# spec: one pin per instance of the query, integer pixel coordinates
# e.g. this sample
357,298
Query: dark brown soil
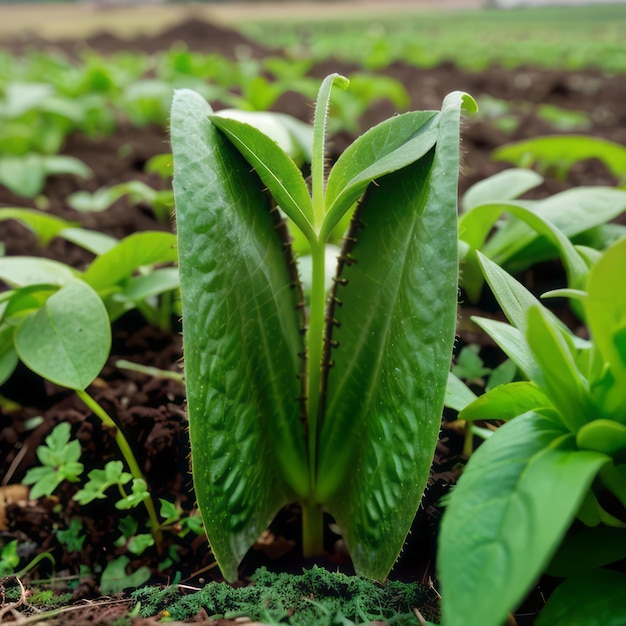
151,411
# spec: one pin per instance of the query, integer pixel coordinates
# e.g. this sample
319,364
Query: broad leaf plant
334,402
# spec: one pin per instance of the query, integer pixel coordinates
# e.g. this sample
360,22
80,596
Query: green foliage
161,202
596,597
116,577
314,597
25,174
100,480
558,456
59,459
243,320
533,230
565,37
558,153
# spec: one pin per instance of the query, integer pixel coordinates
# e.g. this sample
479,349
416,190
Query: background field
366,32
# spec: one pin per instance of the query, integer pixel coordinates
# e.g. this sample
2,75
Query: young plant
337,406
527,234
560,456
558,153
57,321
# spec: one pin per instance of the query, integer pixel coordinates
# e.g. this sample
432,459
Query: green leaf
21,271
124,259
46,227
595,598
561,380
159,281
561,152
511,507
274,167
100,480
103,198
115,579
475,225
385,391
602,435
458,394
514,299
587,548
241,338
26,174
513,343
572,211
605,307
139,493
67,341
91,240
292,135
506,402
8,355
386,148
506,185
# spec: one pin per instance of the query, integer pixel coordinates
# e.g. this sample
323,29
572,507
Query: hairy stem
129,457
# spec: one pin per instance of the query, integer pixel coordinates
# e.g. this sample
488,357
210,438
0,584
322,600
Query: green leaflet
509,511
241,338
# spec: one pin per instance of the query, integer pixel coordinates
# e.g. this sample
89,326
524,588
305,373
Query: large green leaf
384,394
67,341
509,511
241,336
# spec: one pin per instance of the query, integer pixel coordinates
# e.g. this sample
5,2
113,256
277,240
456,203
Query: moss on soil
316,596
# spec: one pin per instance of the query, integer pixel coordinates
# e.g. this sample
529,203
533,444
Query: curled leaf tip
468,104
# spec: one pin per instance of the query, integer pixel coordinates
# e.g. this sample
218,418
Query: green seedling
534,230
160,201
100,480
115,577
10,560
57,321
337,406
25,174
560,456
59,459
135,543
71,537
558,153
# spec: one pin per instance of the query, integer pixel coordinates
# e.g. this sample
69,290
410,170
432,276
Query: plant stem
315,347
129,457
312,530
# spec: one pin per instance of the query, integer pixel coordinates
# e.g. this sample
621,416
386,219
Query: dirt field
62,21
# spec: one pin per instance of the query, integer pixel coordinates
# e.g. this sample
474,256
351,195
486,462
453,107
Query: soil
151,411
